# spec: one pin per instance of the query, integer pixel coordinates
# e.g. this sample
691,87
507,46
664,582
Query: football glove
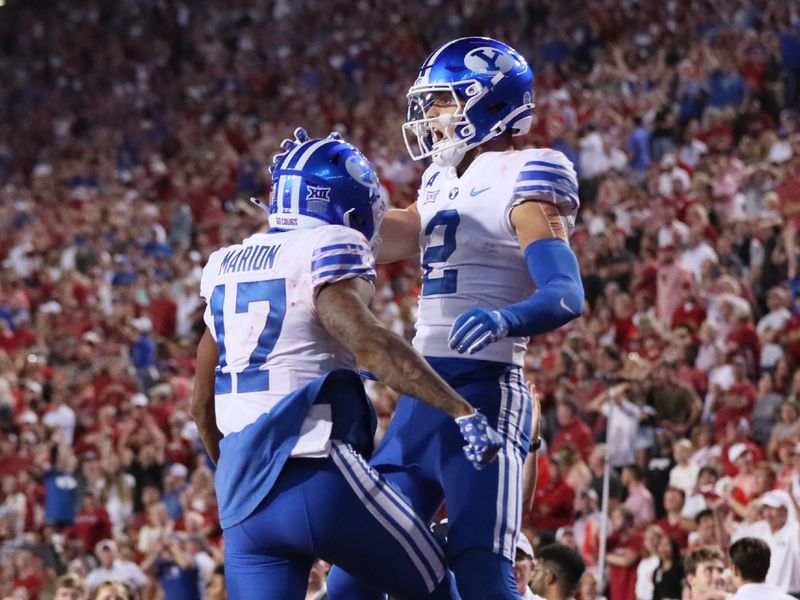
475,329
287,146
483,442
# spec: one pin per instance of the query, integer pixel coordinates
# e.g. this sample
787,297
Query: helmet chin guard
450,155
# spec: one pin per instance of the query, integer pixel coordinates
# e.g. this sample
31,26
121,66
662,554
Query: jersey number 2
252,378
448,282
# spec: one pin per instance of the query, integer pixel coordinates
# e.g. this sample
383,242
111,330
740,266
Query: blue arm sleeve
559,298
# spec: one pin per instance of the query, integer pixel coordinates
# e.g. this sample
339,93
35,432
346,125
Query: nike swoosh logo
566,308
473,192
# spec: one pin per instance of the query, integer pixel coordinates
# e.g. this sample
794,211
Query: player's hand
477,328
483,442
536,405
287,146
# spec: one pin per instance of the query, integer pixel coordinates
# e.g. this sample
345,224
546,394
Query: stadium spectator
625,546
781,531
639,501
553,503
216,584
157,528
587,525
705,532
596,466
198,549
70,587
684,474
704,568
750,561
523,567
668,576
114,590
649,563
557,573
674,524
113,568
787,427
572,430
60,487
92,522
170,560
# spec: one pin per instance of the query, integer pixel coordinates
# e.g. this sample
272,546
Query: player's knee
483,575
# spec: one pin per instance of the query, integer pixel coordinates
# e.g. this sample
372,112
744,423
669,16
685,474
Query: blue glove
476,329
483,442
287,146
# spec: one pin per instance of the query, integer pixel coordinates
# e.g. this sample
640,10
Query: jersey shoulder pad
546,174
340,253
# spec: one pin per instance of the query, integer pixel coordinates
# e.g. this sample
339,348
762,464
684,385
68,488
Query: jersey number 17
253,378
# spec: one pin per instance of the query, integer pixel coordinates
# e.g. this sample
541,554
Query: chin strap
449,157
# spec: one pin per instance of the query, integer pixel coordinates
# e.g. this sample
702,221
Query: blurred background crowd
132,132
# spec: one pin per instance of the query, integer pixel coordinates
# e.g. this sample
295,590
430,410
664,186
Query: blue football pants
421,454
340,510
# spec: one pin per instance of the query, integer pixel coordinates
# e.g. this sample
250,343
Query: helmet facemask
458,130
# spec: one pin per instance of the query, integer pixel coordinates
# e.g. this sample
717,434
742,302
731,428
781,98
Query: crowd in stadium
132,134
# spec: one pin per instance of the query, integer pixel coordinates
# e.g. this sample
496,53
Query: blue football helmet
326,182
492,87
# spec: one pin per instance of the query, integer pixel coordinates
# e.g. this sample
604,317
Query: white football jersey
470,253
271,342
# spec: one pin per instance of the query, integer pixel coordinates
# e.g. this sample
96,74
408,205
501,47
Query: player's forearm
530,473
202,407
210,436
399,235
560,295
343,310
205,419
400,367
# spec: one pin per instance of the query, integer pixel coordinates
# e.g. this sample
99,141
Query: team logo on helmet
360,170
317,198
488,60
318,193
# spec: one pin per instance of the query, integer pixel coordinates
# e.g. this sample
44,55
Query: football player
492,227
280,407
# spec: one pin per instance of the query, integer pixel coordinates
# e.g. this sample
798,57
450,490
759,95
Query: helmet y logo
361,171
488,60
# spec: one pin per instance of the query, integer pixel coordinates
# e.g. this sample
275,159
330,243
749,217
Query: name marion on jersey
249,258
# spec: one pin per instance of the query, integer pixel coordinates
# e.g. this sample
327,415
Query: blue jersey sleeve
341,253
